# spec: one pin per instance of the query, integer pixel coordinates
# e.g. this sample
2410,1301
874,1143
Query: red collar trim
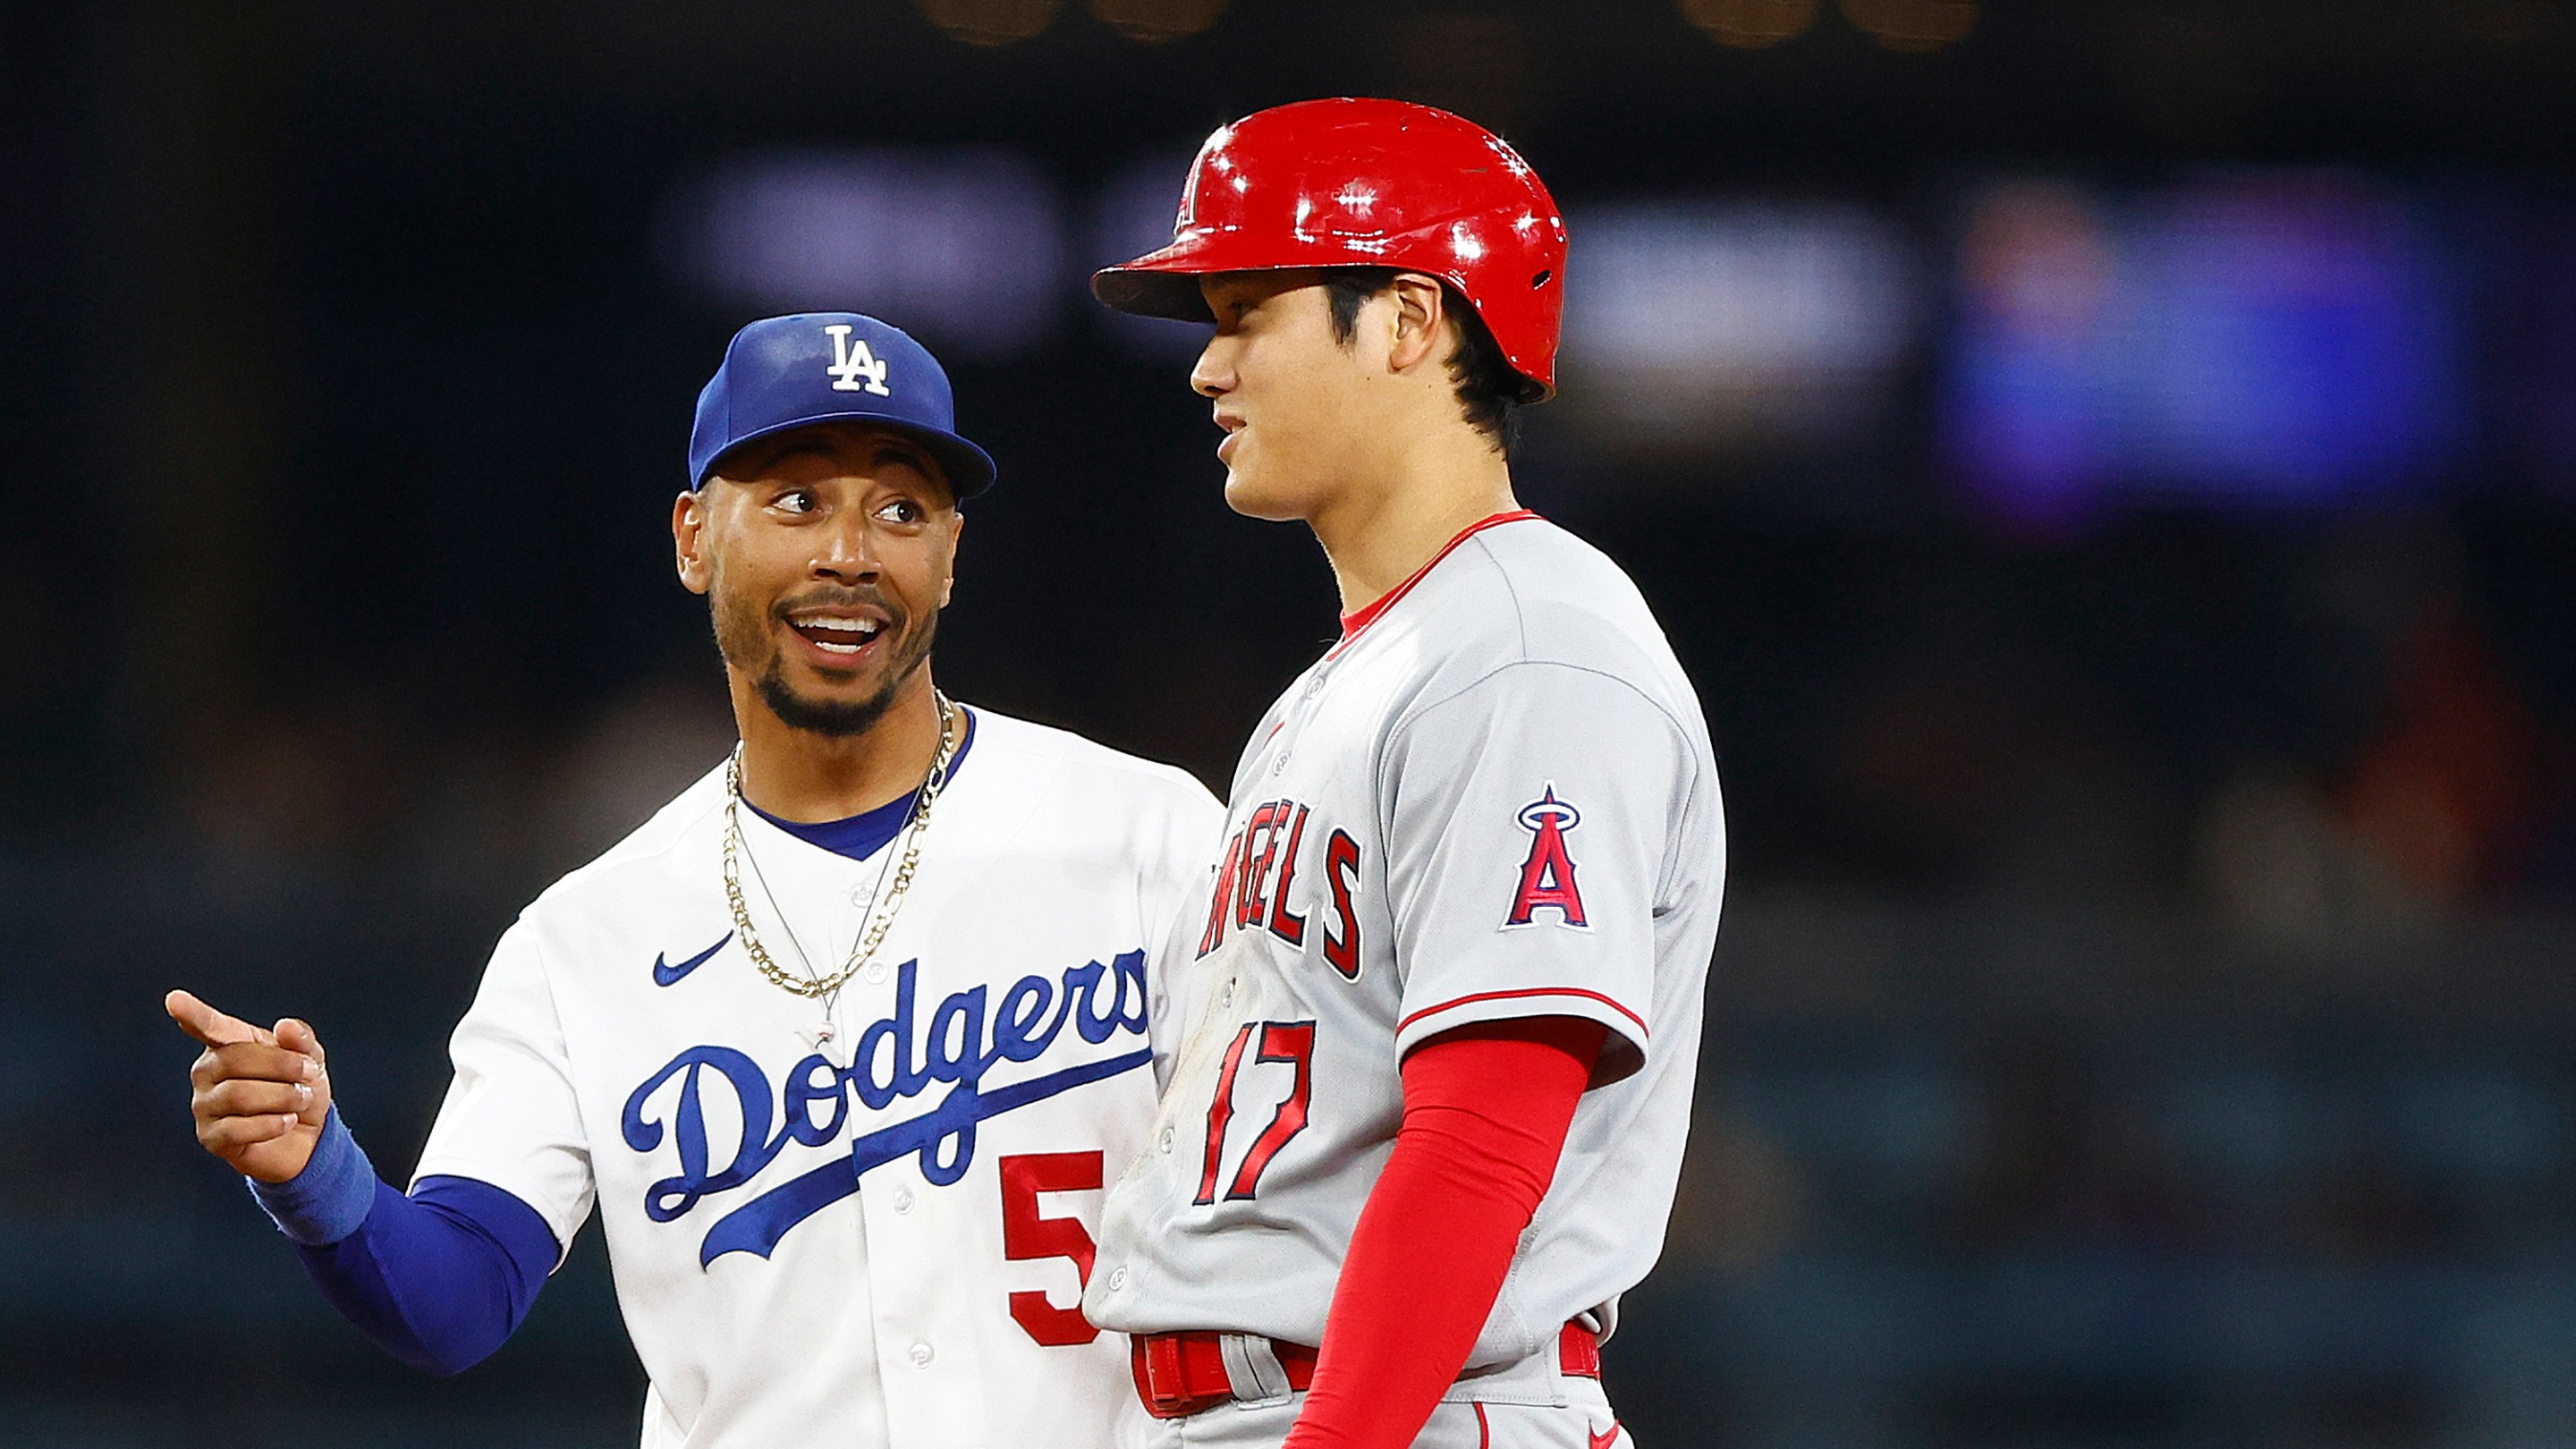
1360,618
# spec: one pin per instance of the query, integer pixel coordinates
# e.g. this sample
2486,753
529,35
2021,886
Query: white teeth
861,631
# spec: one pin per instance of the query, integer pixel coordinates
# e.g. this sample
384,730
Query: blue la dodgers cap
819,367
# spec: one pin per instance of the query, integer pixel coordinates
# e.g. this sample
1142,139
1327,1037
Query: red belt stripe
1180,1374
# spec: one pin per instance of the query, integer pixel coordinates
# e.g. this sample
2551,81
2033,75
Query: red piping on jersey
1510,995
1367,614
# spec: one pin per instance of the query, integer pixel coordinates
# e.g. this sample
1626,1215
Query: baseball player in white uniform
841,1044
1433,1047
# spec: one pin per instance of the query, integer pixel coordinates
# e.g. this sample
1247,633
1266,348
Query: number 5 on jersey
1028,1234
1290,1043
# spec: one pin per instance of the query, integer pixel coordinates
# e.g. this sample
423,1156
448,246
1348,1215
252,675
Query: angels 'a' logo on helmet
1547,877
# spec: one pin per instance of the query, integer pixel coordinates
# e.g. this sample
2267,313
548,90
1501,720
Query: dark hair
1490,392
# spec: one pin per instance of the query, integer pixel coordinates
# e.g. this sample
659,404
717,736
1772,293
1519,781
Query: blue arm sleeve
438,1279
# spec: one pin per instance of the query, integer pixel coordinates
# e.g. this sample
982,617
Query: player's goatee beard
839,719
742,636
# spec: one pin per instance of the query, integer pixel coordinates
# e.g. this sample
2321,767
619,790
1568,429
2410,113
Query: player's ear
1419,308
689,540
956,531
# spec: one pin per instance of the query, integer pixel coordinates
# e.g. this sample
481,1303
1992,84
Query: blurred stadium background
2110,466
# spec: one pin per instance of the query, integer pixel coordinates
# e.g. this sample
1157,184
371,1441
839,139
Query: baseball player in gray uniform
1429,1061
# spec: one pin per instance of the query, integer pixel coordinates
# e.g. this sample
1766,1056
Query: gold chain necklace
880,913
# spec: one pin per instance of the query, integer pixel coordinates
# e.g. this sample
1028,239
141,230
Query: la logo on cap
854,367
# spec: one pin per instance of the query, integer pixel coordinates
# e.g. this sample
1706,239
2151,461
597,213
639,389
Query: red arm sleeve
1486,1110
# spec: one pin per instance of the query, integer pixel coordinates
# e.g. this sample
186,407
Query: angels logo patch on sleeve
1547,876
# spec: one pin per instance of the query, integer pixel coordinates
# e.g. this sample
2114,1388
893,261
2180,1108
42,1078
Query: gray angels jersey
1494,798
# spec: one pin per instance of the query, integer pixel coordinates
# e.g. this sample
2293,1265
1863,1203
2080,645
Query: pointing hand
261,1095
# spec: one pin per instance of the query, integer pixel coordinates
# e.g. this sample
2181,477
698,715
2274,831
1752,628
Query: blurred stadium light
1750,24
1913,25
2290,340
989,22
1700,325
1156,21
1132,215
963,247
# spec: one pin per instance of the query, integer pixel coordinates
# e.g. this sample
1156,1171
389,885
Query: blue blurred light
2280,341
1132,215
964,248
1701,322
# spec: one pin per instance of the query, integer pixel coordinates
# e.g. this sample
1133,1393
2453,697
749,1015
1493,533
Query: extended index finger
208,1025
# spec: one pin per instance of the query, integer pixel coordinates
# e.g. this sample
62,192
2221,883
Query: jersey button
876,971
1117,1279
1165,1142
919,1353
903,1199
858,895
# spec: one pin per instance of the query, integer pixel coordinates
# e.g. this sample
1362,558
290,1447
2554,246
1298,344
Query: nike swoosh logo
664,975
1602,1441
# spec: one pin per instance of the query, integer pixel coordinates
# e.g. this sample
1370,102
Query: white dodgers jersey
866,1225
1494,798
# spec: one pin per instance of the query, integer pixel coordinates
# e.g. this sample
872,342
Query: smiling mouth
845,637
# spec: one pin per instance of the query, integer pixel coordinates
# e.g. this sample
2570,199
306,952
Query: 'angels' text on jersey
1248,896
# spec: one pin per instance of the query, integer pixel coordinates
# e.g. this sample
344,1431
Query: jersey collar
863,835
1359,619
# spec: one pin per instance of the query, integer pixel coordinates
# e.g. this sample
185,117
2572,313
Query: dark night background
2110,468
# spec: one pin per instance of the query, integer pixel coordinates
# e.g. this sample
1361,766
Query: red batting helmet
1366,183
